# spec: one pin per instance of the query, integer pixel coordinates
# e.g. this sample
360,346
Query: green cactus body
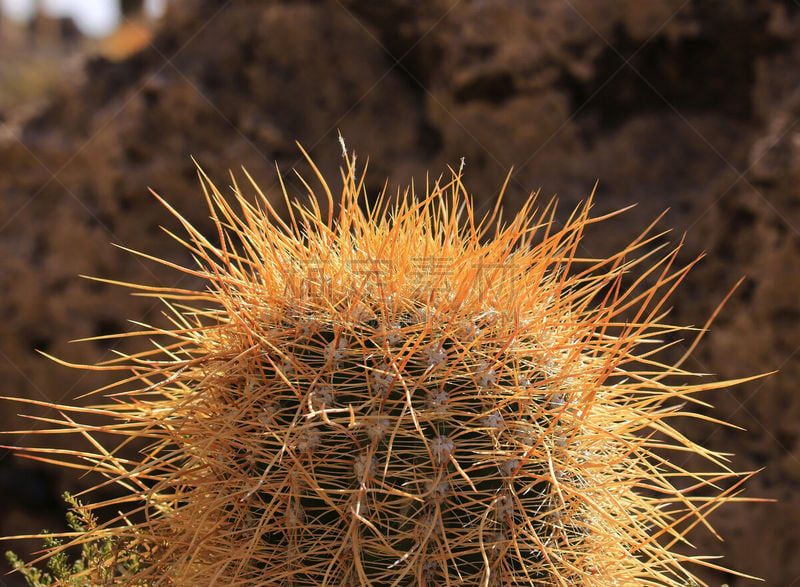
398,394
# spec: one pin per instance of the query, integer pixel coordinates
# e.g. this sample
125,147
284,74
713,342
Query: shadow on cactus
397,392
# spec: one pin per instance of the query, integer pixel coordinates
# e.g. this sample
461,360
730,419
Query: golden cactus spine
397,392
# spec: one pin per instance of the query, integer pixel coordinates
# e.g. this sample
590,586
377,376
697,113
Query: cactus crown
395,392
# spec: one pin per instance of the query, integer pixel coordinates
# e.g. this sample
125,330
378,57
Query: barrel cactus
398,391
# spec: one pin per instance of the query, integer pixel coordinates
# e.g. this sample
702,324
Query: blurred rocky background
690,106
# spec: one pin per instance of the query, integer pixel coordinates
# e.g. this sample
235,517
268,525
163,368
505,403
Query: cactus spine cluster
397,392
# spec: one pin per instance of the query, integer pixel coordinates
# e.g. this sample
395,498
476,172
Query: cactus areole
398,391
